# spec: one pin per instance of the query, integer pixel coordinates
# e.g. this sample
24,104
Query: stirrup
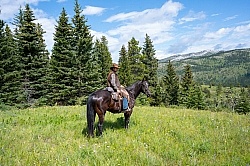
127,110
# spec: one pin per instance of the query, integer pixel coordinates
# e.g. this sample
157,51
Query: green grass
157,136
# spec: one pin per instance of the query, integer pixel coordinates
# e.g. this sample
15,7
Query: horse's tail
90,116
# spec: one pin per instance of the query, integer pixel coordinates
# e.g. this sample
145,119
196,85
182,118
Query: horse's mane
132,87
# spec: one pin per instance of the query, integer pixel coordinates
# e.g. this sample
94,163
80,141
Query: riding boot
127,110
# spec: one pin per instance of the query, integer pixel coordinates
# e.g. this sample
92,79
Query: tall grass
157,136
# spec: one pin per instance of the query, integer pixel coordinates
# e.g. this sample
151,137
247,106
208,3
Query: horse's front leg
127,118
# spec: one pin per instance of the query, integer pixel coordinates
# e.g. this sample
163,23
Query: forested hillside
227,68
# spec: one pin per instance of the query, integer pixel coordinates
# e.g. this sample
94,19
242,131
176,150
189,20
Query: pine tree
32,57
101,50
42,64
61,64
137,67
150,61
191,95
124,71
94,76
171,85
9,70
18,22
151,64
2,69
82,45
243,103
158,96
187,79
195,98
187,85
106,59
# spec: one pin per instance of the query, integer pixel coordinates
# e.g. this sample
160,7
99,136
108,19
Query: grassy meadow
157,136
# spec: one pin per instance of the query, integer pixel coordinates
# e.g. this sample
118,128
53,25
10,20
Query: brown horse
101,101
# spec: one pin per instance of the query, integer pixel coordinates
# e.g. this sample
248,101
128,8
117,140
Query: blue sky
174,26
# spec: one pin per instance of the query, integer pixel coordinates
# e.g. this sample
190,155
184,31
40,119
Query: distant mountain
179,57
224,67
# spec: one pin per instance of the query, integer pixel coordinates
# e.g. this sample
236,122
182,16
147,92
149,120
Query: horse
101,101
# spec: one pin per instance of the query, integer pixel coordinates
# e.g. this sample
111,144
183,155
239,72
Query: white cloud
218,34
222,39
157,23
240,36
192,16
168,11
61,1
122,16
92,10
160,54
230,18
9,8
215,14
169,35
243,29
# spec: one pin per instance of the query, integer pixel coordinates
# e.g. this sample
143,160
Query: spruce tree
61,64
243,104
151,64
82,45
191,95
32,58
18,22
124,71
171,85
94,76
137,67
9,70
150,61
42,64
195,98
158,97
2,70
106,59
101,50
187,85
187,79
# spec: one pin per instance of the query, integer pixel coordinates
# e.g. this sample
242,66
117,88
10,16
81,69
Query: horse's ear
145,78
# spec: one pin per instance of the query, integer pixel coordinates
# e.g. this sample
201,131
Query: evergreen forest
78,64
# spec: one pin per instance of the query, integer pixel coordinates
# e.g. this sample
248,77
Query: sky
174,26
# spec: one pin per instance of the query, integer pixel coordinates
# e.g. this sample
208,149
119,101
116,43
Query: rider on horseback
113,82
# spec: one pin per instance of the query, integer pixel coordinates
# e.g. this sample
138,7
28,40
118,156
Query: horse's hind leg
91,126
100,123
90,120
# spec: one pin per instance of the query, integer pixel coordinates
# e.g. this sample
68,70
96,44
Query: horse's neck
134,90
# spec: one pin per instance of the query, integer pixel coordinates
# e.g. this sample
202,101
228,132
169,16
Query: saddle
120,103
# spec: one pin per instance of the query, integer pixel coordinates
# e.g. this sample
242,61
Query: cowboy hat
114,65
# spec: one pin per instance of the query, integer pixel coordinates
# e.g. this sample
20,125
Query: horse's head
145,88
